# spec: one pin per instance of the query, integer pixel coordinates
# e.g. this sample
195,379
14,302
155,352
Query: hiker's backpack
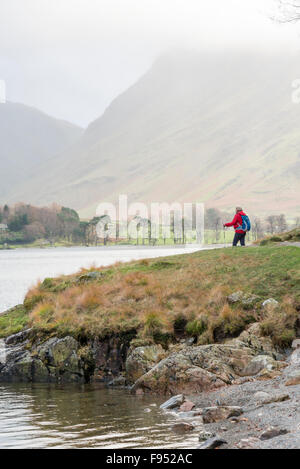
246,226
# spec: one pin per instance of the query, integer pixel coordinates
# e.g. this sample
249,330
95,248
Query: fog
71,58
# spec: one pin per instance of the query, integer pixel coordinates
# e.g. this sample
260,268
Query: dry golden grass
153,296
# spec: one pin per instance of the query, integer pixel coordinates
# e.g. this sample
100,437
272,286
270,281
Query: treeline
215,219
24,223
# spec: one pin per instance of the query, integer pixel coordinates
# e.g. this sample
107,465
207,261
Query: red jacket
237,222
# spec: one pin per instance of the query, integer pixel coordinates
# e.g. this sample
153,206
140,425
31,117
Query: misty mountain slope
196,127
28,137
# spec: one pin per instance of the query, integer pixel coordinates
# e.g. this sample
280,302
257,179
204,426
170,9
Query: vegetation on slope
159,300
292,236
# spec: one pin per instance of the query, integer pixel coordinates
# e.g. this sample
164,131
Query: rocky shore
254,414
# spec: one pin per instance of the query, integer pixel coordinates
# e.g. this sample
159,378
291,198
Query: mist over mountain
28,138
214,128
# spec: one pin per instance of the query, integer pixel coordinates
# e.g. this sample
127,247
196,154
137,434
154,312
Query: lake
72,416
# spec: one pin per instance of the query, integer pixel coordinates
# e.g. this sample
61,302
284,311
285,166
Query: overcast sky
70,58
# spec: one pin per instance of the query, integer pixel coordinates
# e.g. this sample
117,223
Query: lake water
22,268
49,416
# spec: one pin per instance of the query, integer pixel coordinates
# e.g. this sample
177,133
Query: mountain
197,127
29,137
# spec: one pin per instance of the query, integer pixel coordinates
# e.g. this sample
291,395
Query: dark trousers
239,237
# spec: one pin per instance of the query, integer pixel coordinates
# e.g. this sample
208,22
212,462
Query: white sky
70,58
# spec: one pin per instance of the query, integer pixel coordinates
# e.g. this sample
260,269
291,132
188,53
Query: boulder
212,443
216,414
203,436
182,427
196,369
61,359
187,406
174,402
296,344
253,338
141,359
273,432
260,363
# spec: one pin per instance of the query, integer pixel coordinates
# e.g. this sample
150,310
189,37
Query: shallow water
87,416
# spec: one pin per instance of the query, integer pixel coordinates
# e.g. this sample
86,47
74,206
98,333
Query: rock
261,396
273,432
296,343
203,436
18,338
260,363
119,381
141,359
60,357
270,304
196,369
247,300
276,398
216,414
182,427
293,378
247,443
92,275
212,443
295,358
253,338
235,297
265,375
187,406
175,401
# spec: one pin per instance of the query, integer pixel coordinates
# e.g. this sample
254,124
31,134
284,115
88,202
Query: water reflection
49,416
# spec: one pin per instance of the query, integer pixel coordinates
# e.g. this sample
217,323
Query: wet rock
216,414
182,427
175,401
212,443
187,406
273,432
141,359
203,436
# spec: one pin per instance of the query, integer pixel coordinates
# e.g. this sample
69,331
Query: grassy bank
292,236
159,299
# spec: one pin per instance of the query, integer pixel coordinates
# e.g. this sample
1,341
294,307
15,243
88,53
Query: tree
282,223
